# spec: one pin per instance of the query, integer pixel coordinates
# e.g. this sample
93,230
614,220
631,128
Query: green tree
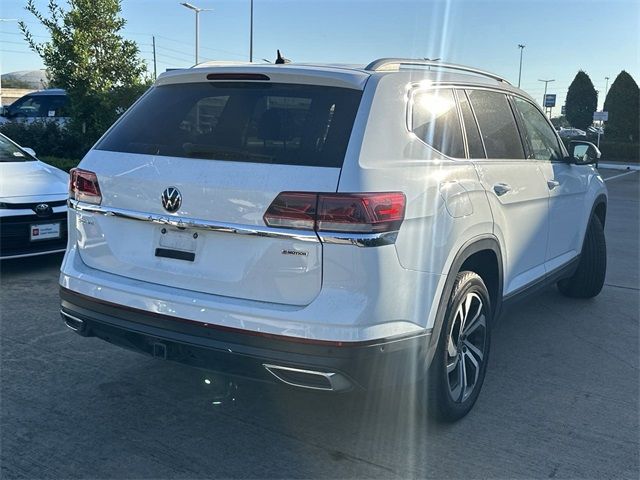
623,105
560,121
87,56
582,101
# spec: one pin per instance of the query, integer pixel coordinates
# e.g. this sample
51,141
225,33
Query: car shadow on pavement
26,265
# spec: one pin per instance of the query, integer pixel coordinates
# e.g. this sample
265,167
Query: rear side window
542,140
435,121
476,150
240,121
497,124
57,106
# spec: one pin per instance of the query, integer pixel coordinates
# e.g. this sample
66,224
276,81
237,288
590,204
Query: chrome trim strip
328,376
185,222
360,239
357,239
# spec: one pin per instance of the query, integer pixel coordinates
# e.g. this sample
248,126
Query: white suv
329,227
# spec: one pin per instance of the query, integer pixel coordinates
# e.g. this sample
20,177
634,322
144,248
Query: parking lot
560,399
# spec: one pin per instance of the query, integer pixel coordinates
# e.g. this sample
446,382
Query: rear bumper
254,355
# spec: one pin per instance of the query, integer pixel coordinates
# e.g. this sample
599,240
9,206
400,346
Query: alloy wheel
466,347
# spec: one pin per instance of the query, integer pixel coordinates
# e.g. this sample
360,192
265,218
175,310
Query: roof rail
391,63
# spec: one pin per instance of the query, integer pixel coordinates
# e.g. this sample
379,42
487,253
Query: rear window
240,121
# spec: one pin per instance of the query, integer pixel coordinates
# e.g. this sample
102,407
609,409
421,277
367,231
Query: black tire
443,402
588,279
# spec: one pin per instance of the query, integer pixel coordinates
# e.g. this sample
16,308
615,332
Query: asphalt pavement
560,400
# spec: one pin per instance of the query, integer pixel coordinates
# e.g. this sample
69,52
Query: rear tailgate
226,149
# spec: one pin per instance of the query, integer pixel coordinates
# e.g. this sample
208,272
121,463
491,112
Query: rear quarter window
435,121
240,121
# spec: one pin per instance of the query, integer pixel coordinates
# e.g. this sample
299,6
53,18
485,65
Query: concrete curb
619,166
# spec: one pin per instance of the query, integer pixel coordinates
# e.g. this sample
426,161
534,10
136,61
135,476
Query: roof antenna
281,60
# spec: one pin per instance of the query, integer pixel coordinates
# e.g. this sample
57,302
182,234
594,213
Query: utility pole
251,33
197,10
3,20
155,66
546,82
521,47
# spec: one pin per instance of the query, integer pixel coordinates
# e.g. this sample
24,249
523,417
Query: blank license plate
45,231
178,240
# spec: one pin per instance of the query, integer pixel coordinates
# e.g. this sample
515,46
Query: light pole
606,87
251,33
521,47
544,97
197,10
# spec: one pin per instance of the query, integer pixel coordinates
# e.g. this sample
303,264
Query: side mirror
30,151
583,153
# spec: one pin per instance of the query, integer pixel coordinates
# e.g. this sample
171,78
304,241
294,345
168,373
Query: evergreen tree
623,105
582,101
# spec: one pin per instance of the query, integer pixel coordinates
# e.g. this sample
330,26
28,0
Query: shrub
47,138
65,164
613,151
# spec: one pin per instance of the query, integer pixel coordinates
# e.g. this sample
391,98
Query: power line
182,42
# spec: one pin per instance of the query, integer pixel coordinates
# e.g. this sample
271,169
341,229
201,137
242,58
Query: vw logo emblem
171,199
43,210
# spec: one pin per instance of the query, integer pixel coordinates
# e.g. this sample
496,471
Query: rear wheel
458,368
588,279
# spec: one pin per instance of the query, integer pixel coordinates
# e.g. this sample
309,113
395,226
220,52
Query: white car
572,133
327,227
33,204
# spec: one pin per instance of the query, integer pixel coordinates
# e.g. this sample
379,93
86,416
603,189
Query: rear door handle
501,188
553,184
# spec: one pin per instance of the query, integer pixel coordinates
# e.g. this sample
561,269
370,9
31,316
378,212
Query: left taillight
84,187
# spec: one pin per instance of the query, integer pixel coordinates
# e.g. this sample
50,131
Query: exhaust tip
309,379
74,323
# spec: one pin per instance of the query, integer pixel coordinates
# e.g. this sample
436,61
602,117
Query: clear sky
601,37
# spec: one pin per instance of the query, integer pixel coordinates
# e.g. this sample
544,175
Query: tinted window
249,122
497,124
56,106
434,119
28,106
476,150
540,137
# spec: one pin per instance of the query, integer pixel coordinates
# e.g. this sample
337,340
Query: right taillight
337,212
83,186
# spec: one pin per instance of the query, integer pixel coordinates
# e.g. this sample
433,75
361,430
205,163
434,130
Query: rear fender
475,245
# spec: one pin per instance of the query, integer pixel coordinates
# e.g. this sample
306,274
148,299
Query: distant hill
31,79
